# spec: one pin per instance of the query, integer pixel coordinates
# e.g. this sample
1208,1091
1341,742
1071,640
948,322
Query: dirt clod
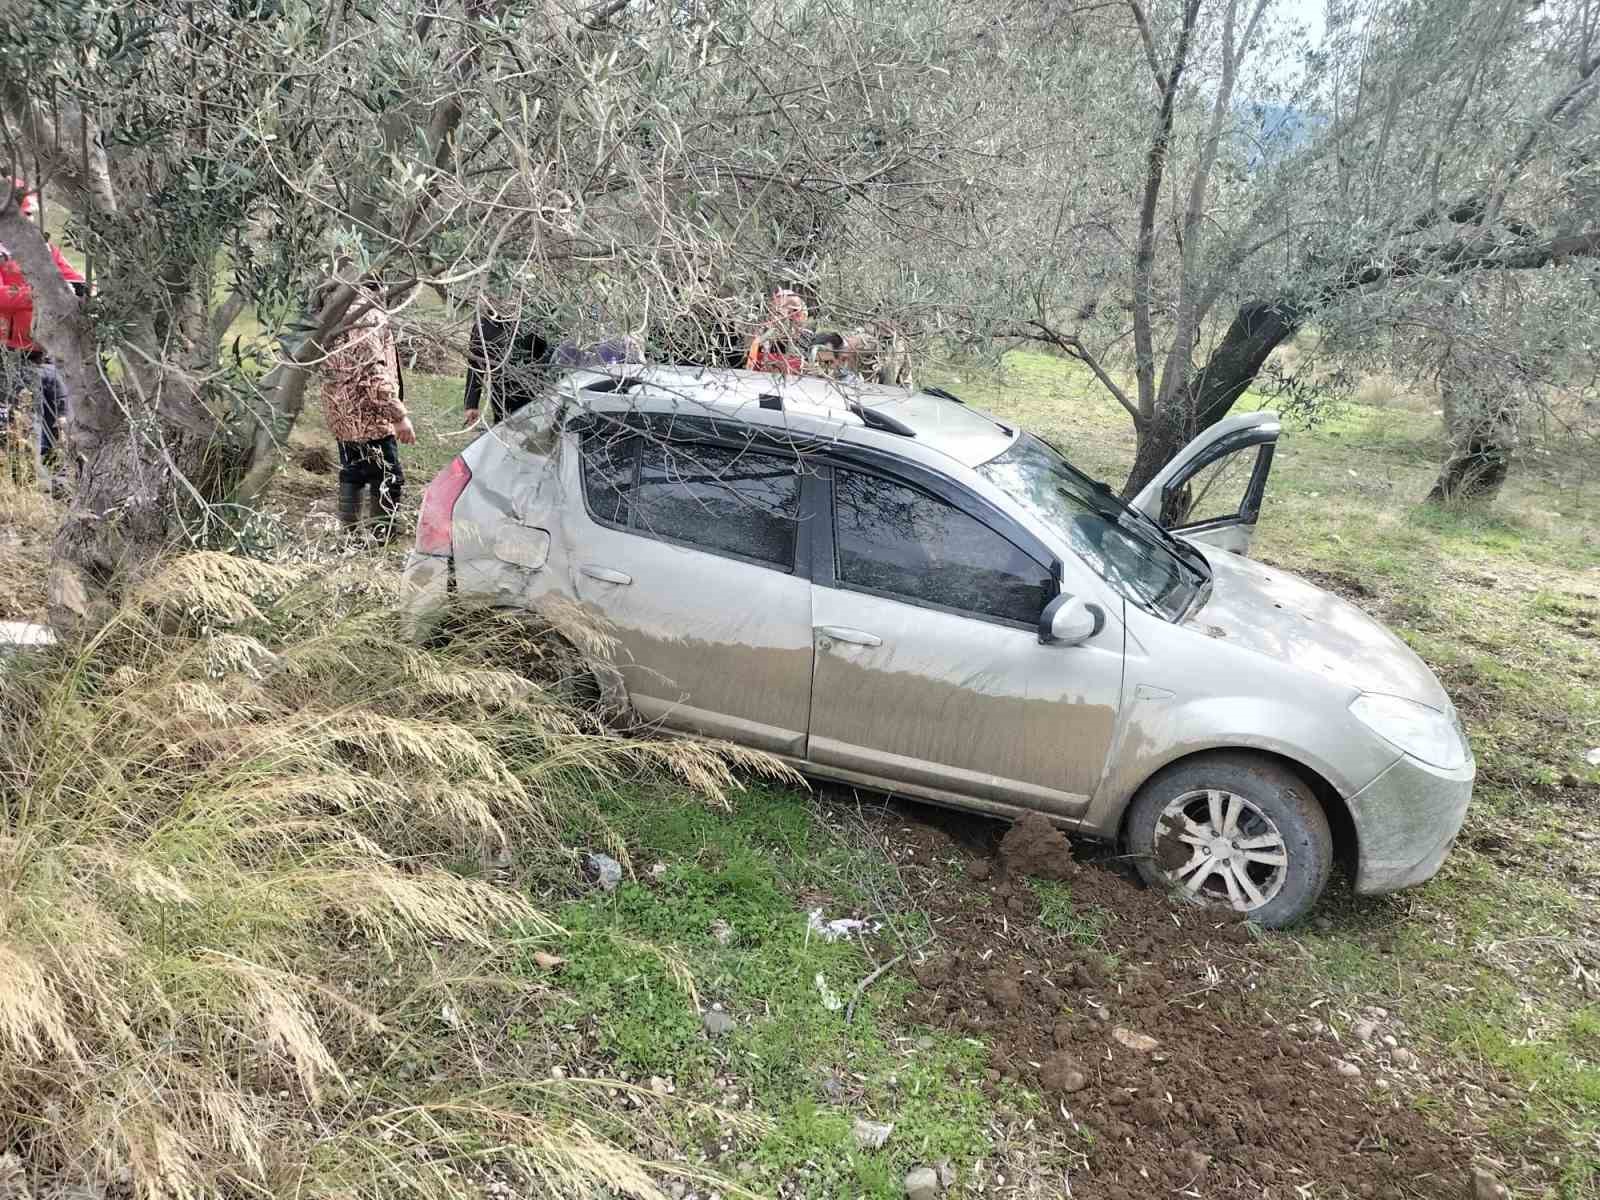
1061,1073
1033,846
1004,992
979,869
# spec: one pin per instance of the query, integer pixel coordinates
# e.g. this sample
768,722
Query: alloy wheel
1219,848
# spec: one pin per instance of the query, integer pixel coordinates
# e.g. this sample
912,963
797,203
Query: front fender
1158,728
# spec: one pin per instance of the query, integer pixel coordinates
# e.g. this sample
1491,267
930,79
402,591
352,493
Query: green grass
1058,914
748,870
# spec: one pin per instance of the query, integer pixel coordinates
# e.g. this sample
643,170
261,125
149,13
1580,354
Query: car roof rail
943,395
873,419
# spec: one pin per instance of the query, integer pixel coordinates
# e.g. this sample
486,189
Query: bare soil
1152,1040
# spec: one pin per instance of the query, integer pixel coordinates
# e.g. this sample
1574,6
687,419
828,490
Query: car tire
1236,831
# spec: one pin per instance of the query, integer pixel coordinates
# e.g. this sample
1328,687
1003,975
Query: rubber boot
385,499
349,505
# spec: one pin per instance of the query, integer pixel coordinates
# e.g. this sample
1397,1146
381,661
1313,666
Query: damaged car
890,589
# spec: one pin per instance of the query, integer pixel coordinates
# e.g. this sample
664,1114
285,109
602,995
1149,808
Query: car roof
872,413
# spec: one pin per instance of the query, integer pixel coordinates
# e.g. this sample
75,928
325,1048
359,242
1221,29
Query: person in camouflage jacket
363,402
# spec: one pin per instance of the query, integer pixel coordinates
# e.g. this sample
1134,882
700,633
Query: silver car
891,589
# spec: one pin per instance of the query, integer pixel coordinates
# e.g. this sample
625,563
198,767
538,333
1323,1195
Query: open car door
1212,491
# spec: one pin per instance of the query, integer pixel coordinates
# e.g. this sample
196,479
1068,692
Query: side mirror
1069,621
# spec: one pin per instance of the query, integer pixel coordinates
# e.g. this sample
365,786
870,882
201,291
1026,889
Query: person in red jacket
783,343
27,368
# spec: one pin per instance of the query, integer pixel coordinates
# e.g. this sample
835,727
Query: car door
1211,492
689,551
930,673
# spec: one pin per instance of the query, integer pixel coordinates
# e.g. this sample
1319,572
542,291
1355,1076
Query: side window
895,539
729,500
734,501
608,458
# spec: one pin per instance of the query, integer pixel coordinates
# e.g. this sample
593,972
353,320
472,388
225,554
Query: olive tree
233,157
1205,180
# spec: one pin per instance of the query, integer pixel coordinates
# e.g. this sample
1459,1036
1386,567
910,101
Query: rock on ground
870,1135
922,1184
1142,1042
1485,1186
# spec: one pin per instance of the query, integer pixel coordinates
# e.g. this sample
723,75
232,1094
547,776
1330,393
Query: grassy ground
1492,968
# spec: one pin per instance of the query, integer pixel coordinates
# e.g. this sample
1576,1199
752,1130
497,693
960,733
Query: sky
1309,13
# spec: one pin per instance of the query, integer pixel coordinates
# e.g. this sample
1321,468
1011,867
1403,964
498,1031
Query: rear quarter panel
516,482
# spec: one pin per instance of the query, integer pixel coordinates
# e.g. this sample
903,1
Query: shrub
232,957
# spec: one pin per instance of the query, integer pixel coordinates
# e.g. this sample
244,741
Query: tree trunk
147,454
1256,331
1158,441
1482,411
1210,391
1474,471
135,498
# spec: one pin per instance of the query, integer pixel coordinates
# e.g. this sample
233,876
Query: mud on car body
891,589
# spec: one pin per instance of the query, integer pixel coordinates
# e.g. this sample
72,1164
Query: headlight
1420,731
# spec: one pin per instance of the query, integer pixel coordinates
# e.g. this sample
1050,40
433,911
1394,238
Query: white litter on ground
840,927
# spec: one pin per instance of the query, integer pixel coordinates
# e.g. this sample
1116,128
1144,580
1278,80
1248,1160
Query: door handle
605,574
852,637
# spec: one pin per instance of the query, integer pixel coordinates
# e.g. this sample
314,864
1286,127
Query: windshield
1125,548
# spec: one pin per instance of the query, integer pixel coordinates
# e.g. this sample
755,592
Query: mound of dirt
1143,1030
315,460
1033,846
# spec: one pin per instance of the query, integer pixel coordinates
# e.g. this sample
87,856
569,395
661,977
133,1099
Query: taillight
439,505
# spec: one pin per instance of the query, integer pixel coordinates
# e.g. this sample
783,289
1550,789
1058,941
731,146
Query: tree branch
1143,23
1576,98
1145,255
1038,331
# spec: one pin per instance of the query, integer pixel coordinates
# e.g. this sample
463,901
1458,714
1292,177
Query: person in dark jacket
506,359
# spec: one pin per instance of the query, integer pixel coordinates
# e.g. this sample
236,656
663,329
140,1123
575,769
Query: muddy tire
1235,831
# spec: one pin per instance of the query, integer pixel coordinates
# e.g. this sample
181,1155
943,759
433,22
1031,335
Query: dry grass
27,523
1380,390
226,922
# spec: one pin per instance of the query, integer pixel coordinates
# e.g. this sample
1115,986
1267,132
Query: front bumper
1406,822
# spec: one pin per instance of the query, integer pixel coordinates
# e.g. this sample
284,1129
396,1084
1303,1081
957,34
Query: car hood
1281,615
